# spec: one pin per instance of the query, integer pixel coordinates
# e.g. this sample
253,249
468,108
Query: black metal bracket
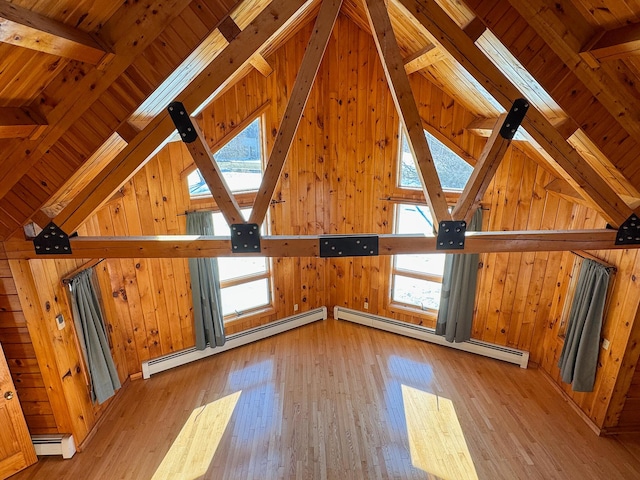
514,118
348,246
451,235
629,231
52,241
245,238
182,121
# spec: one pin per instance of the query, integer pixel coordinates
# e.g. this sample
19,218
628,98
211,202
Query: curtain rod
90,264
588,256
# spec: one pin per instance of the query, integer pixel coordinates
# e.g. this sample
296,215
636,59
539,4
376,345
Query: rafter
422,59
451,37
559,25
211,80
492,154
259,63
299,95
212,174
27,29
19,123
405,103
613,44
21,155
192,246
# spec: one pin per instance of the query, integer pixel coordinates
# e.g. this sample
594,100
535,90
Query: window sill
258,312
403,309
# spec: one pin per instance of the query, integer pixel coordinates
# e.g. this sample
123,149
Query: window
416,279
245,282
452,170
240,161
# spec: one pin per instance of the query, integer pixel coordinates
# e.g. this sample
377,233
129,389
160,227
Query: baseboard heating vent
182,357
499,352
54,445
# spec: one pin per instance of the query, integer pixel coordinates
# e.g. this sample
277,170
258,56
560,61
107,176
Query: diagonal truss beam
492,154
452,38
299,95
277,16
212,175
405,103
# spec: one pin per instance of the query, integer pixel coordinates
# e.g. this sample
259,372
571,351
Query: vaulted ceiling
84,86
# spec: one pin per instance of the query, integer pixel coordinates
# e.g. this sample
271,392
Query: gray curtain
205,288
457,298
88,319
579,357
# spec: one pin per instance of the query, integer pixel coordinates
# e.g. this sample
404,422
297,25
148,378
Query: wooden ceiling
84,85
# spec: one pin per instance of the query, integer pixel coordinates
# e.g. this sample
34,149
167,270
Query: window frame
261,117
396,271
244,279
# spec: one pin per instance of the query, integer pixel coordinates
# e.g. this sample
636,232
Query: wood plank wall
21,356
341,167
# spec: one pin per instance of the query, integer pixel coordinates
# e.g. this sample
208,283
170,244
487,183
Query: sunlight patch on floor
436,440
193,449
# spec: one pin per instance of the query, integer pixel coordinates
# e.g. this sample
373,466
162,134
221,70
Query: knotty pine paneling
616,365
21,358
341,165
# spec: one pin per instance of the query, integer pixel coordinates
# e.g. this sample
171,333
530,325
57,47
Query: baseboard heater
182,357
54,445
506,354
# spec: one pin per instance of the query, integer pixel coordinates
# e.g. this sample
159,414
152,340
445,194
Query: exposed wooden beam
299,95
483,127
215,77
492,154
19,122
212,174
19,156
613,44
563,188
229,29
422,59
259,63
192,246
127,132
450,36
27,29
406,106
233,130
562,25
474,29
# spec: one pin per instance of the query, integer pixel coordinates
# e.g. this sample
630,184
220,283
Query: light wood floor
341,401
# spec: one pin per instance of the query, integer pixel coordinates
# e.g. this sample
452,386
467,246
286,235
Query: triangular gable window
240,161
453,171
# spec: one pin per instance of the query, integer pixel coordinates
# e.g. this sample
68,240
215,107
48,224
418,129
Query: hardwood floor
342,401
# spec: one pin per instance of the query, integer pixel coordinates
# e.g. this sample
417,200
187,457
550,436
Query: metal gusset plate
245,238
52,241
348,245
629,231
182,121
451,235
514,118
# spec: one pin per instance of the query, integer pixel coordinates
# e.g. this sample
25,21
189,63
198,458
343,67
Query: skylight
452,170
240,161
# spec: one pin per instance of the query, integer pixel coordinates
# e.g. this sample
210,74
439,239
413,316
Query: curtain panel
458,294
205,288
579,357
92,336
